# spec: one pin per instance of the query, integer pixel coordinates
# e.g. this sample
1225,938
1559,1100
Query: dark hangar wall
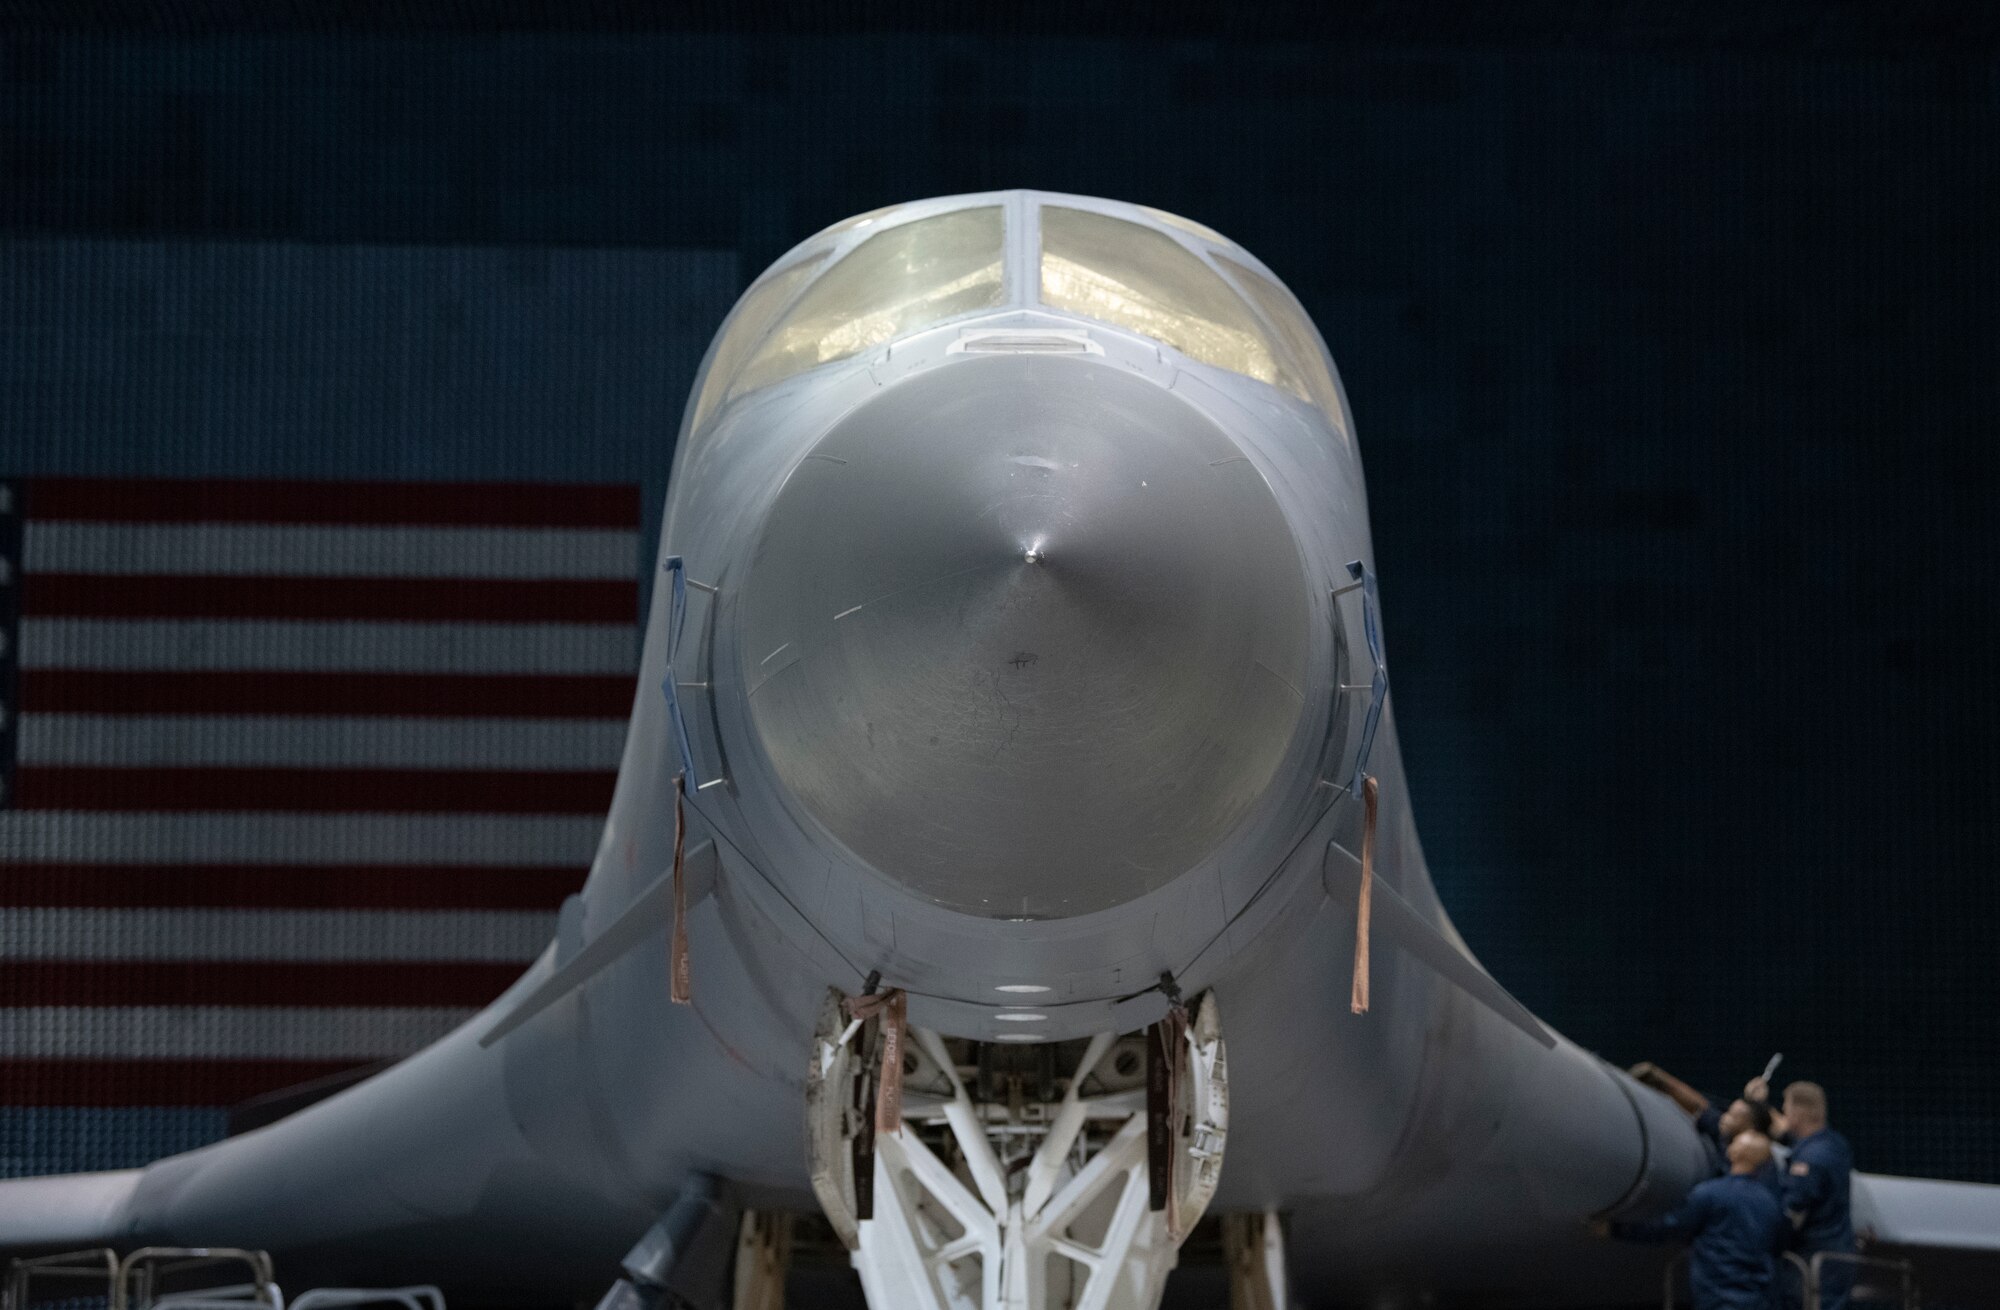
1671,344
259,830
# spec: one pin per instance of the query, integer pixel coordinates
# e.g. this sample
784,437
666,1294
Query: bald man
1734,1232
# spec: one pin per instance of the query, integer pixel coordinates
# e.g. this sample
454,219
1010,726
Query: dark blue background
1673,340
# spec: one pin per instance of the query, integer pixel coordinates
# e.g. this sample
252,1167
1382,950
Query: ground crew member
1718,1127
1816,1196
1734,1232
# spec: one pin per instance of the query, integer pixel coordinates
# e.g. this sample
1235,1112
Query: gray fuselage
1015,667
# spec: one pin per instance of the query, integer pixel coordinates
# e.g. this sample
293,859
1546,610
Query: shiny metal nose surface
1026,635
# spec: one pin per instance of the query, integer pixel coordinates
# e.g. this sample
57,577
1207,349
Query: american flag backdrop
295,773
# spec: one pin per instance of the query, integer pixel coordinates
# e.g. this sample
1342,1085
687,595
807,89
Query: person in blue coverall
1734,1232
1816,1188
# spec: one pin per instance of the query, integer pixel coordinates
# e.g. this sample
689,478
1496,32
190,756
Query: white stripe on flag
188,1032
327,646
71,837
320,551
325,936
331,743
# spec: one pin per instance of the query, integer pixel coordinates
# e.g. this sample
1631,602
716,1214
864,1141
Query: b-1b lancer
1013,799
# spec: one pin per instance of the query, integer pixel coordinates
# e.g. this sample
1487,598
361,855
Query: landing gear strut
1021,1179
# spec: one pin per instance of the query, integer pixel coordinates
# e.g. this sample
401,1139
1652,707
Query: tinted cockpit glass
846,225
746,328
1139,278
902,280
1296,329
1187,225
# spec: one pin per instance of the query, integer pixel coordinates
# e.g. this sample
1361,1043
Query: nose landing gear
999,1194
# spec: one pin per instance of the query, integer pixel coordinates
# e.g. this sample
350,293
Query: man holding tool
1719,1126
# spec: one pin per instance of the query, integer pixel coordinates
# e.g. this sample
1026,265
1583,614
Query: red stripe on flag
253,983
419,695
315,791
247,500
292,887
156,1082
428,600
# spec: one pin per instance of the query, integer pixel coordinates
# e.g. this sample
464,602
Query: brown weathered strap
680,988
893,1006
1359,1001
867,1005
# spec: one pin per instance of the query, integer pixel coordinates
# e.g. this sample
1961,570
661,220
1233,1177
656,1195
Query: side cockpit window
746,330
1139,278
846,225
1186,225
899,281
1301,340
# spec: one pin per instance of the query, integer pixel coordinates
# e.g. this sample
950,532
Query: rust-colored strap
1359,1002
894,1008
681,986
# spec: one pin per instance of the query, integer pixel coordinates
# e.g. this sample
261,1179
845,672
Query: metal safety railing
1901,1271
78,1271
148,1276
1810,1279
184,1278
146,1279
345,1298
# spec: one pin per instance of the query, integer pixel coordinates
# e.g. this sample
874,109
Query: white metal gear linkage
1069,1227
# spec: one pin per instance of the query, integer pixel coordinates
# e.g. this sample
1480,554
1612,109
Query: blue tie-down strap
1378,685
676,621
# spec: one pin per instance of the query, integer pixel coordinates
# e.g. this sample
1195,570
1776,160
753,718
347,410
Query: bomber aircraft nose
1026,635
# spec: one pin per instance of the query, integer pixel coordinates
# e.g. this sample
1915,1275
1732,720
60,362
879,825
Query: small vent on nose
1017,341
